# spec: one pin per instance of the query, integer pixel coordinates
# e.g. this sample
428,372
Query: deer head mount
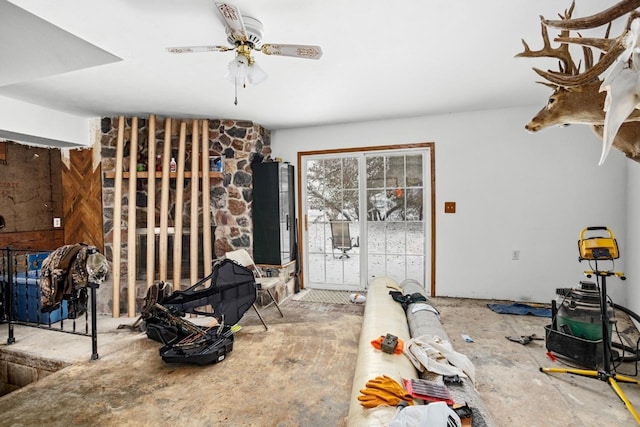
579,94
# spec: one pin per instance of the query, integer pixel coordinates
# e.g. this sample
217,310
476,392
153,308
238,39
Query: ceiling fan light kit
245,33
240,72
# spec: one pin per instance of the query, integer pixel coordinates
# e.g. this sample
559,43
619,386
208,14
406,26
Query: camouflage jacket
62,272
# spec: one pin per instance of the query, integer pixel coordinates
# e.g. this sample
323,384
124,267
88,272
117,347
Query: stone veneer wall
230,196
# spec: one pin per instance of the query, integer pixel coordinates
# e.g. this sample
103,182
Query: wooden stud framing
164,202
179,203
206,205
131,219
193,238
151,201
117,220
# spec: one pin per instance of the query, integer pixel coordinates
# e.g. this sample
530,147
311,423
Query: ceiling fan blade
233,18
295,50
197,49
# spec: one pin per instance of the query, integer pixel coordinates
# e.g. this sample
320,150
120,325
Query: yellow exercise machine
595,249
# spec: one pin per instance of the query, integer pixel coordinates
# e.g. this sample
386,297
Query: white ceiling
381,59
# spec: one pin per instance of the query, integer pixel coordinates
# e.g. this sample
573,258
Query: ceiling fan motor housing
254,30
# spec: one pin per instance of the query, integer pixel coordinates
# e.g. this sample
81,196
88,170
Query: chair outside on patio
341,239
242,257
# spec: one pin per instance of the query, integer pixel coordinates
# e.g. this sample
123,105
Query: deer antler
613,47
577,97
596,20
569,72
604,44
563,79
561,53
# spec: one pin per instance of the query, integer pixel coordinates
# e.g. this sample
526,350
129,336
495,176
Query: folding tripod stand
606,373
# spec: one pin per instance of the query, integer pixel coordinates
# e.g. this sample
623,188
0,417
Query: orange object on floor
377,343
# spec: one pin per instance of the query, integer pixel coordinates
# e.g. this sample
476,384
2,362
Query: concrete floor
299,373
510,383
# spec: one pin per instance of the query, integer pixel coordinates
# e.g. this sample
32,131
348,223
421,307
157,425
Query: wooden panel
82,200
36,240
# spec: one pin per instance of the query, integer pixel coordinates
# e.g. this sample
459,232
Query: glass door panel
365,217
333,226
396,245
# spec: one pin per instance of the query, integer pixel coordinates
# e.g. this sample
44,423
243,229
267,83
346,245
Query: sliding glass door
332,218
396,226
364,215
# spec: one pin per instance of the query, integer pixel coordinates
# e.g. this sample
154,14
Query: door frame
371,149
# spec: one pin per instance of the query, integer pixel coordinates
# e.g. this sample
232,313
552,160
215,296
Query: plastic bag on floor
436,414
436,355
357,298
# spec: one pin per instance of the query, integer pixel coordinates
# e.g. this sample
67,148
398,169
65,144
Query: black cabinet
273,213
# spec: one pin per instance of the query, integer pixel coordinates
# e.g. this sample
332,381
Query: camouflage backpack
64,274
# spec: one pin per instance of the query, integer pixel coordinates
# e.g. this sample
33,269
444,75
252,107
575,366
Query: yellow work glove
370,401
390,385
383,397
383,391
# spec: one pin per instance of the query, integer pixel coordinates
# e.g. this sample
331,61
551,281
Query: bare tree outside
394,188
391,215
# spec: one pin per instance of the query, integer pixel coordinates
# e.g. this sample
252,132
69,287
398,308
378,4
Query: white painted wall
632,255
514,191
33,124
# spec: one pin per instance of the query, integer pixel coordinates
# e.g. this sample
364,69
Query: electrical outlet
515,255
57,222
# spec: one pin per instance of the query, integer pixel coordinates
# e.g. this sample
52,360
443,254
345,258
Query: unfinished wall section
30,196
238,142
18,370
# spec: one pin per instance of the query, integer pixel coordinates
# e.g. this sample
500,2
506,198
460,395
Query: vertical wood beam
117,220
193,238
151,201
179,204
206,204
131,219
164,201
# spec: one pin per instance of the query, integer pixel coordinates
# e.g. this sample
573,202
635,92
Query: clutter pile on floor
407,372
225,295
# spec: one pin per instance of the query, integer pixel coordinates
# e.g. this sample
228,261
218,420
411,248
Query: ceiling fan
245,34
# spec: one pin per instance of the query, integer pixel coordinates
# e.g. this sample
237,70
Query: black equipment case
229,291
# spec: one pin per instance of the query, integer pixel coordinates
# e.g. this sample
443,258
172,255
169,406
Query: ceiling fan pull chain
245,34
235,89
